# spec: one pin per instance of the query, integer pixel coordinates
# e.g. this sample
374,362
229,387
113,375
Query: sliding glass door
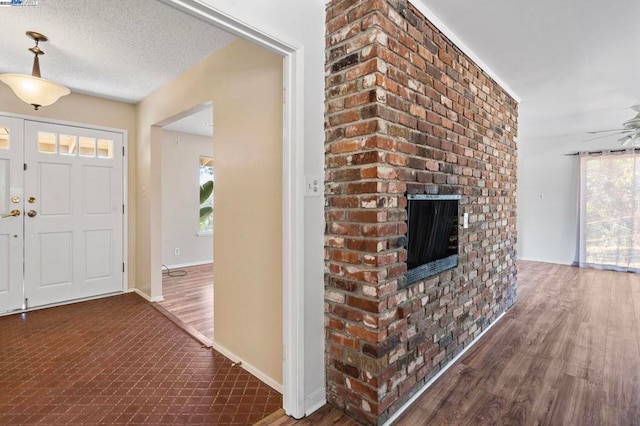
610,211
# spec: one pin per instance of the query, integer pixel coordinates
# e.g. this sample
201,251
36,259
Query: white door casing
11,231
73,183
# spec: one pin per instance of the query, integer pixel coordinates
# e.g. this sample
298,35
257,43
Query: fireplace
432,231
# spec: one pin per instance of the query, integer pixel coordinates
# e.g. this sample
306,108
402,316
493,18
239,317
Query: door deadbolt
32,213
31,200
15,200
11,214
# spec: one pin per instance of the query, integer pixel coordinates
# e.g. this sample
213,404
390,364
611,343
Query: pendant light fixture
33,89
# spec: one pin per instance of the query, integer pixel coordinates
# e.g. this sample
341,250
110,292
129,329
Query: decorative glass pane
47,142
206,194
68,145
4,138
105,148
87,147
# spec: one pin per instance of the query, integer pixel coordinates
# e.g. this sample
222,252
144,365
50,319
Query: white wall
548,225
302,23
181,199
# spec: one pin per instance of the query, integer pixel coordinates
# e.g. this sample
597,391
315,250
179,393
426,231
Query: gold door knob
13,213
15,200
31,200
32,213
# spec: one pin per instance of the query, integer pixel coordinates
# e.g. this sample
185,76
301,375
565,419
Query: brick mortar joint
373,29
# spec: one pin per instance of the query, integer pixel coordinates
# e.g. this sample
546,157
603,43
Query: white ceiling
198,123
117,49
573,63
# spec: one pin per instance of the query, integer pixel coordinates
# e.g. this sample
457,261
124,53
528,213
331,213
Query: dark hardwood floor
190,297
568,353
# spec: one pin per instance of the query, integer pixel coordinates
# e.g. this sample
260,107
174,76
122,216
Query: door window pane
4,138
68,145
105,148
87,147
47,142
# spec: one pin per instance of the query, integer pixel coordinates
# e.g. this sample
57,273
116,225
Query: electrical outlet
176,251
312,186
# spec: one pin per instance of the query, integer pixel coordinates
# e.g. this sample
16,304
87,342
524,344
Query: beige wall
245,84
90,110
181,199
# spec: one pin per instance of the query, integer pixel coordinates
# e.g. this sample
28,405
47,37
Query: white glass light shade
34,90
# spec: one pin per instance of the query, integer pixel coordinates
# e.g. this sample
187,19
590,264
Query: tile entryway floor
119,361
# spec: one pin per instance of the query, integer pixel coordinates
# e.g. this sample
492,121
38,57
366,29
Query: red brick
419,117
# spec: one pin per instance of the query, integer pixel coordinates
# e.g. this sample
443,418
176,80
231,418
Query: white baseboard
316,400
248,367
186,265
422,390
552,261
145,296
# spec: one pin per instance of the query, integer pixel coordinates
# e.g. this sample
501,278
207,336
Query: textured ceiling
117,49
574,63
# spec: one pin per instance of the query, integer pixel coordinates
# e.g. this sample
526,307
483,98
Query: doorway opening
187,219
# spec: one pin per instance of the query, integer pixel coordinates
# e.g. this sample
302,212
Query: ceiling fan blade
604,136
628,140
608,131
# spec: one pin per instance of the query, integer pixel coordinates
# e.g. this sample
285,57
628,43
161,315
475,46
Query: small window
206,195
47,142
105,148
4,138
87,147
68,145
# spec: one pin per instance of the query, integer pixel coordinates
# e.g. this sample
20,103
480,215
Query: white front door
73,213
11,231
67,184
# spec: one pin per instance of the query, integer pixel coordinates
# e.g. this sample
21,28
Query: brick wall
407,112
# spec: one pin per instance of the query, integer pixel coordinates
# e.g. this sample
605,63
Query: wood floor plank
586,357
578,403
325,416
616,416
190,297
622,307
622,374
634,285
536,391
594,305
445,398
